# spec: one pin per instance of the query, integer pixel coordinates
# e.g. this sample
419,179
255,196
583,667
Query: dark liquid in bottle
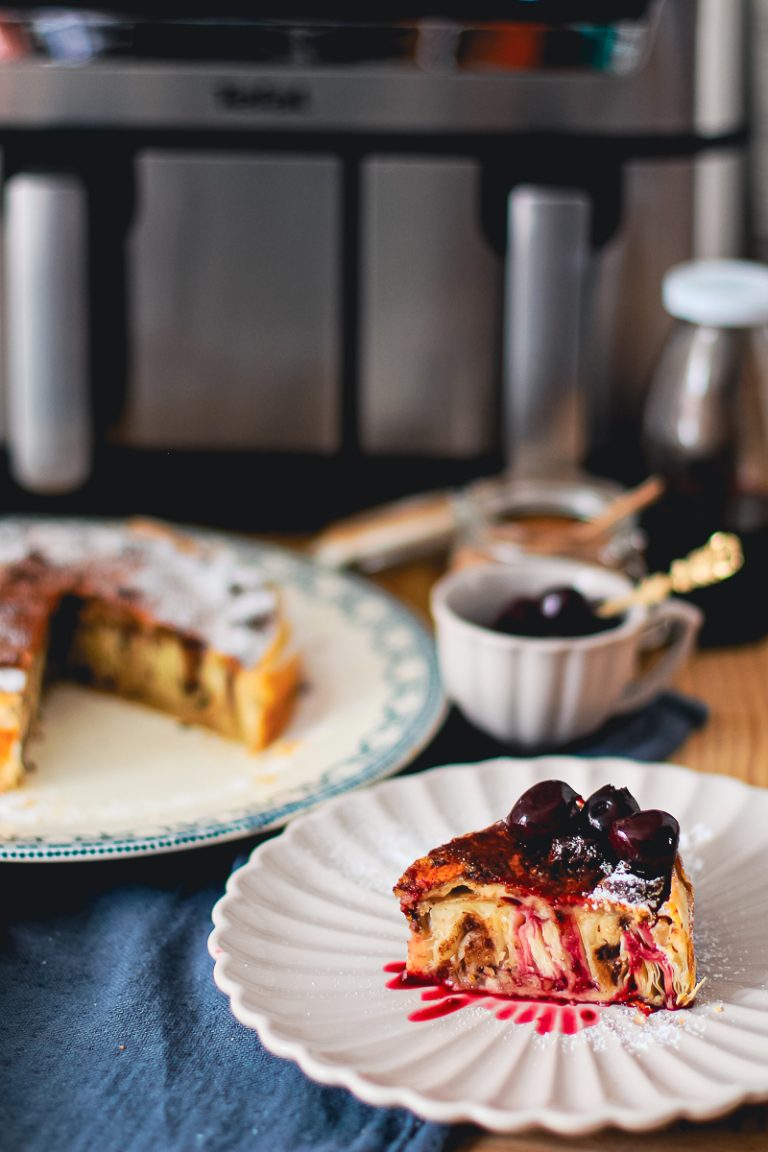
702,498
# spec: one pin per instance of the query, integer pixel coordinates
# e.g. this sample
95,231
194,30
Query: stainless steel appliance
265,267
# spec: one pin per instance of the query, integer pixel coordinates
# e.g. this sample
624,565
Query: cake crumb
639,1018
284,748
718,1008
266,778
121,1047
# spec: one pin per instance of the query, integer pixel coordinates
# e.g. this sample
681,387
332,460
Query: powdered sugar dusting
634,1032
624,887
691,840
12,679
201,589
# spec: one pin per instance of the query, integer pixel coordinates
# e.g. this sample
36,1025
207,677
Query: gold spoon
720,558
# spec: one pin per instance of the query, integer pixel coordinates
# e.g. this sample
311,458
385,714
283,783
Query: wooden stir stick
584,531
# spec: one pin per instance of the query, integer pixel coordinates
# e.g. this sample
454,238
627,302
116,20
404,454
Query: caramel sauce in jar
500,536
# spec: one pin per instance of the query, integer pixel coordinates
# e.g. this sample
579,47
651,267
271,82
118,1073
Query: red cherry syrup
547,1016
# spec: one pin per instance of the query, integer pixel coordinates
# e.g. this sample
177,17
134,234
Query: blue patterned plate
114,779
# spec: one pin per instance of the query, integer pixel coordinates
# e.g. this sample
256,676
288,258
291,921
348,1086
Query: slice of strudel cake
565,899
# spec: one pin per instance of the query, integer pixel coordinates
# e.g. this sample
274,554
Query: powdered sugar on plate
691,841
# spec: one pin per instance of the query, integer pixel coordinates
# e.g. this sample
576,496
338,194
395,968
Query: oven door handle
47,331
548,245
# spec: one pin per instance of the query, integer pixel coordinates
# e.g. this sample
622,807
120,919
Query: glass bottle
705,429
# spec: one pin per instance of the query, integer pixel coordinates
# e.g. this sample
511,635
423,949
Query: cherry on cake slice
565,899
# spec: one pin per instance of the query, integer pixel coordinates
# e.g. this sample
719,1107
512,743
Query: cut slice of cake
147,613
565,899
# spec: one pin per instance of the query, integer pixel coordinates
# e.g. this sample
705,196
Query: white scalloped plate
306,927
115,779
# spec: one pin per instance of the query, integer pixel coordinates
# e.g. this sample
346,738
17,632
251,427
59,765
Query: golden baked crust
147,613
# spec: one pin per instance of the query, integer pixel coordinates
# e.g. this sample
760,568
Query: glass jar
497,523
705,429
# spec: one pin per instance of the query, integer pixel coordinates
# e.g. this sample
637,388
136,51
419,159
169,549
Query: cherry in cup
557,612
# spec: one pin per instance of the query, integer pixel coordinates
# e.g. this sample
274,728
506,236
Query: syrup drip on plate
441,1000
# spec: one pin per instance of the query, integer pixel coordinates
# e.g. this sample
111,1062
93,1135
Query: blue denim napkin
114,1037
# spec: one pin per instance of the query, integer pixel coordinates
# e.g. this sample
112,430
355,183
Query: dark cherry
545,810
566,607
646,840
607,805
521,617
557,612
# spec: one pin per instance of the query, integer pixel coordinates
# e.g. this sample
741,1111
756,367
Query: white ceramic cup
542,693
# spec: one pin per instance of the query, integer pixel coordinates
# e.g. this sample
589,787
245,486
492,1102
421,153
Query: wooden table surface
733,682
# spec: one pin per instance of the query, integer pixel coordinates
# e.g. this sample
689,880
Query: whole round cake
148,613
